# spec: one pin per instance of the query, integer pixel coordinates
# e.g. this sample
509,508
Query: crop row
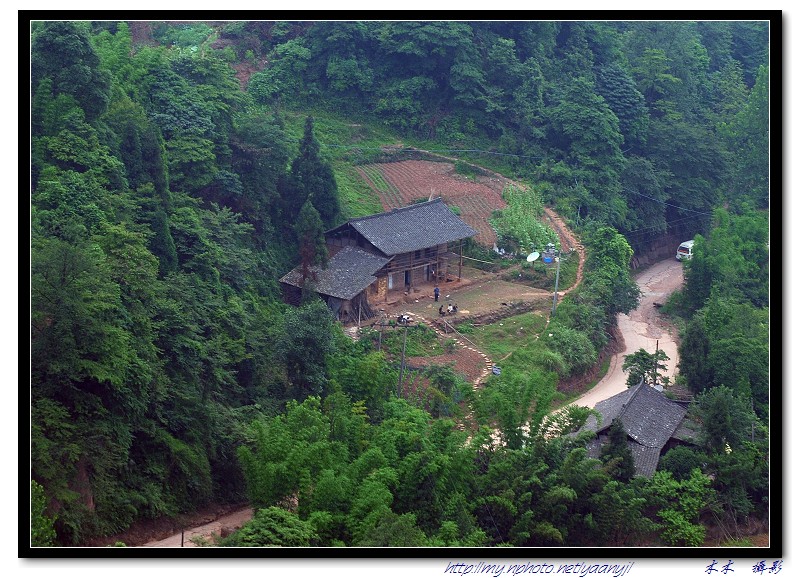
402,183
389,195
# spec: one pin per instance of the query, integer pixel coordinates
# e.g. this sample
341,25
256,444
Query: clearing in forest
478,293
399,184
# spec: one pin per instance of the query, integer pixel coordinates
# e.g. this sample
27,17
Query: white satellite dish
532,257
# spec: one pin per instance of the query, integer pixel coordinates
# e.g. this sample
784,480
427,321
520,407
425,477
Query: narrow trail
460,341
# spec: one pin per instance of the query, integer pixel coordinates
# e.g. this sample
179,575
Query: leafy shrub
183,35
273,527
680,461
519,228
574,347
42,531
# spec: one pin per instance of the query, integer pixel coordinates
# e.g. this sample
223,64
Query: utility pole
555,292
460,257
655,365
402,361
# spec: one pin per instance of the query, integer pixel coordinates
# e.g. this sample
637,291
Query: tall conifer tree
311,177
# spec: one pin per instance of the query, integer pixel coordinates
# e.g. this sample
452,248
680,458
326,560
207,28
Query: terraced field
402,183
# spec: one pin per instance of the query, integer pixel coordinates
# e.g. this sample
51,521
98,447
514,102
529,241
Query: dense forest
178,170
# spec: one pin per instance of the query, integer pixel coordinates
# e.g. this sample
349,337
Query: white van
684,250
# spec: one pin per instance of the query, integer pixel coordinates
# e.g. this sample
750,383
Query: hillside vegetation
179,169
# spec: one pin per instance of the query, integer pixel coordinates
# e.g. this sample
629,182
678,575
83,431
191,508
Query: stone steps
488,362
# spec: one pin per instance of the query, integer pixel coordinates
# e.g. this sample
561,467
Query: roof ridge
626,403
396,210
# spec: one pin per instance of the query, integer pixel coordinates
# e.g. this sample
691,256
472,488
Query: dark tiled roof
645,459
411,228
349,272
593,448
688,431
613,406
649,416
650,419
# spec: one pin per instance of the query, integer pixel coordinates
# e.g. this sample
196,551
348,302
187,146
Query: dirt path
642,328
233,521
568,242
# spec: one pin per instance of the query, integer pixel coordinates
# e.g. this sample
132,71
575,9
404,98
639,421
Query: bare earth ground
405,182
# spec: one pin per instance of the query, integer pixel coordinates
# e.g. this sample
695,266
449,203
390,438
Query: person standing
436,293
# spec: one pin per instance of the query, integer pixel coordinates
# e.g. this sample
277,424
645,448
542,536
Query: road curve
642,328
233,520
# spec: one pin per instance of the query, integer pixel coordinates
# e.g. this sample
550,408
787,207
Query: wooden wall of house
291,294
350,238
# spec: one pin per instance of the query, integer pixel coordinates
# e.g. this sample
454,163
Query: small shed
341,284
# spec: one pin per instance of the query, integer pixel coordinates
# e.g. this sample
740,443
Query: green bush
574,347
42,531
273,527
519,226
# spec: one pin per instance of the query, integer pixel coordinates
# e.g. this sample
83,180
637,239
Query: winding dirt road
206,532
642,328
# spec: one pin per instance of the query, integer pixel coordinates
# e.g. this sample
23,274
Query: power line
437,151
643,230
667,204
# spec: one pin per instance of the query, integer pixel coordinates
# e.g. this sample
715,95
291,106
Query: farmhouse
654,425
378,258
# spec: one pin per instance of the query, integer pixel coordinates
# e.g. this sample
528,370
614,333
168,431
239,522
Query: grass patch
512,342
737,543
344,145
508,335
340,138
356,198
467,170
377,179
421,341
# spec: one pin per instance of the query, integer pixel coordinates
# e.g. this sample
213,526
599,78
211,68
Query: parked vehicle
684,250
